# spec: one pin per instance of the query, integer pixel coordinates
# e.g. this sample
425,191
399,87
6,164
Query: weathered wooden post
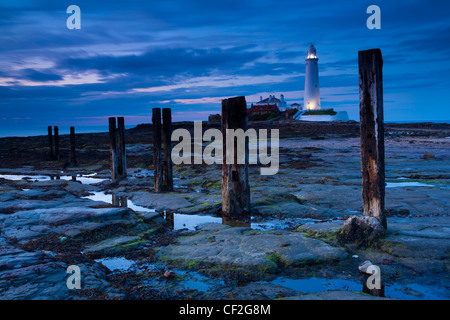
157,154
50,142
73,159
235,186
119,200
56,154
115,200
167,162
372,133
121,147
114,151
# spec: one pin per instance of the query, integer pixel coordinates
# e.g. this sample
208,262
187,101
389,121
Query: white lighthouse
312,95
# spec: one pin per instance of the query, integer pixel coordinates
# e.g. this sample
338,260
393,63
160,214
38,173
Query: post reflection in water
119,200
169,217
239,221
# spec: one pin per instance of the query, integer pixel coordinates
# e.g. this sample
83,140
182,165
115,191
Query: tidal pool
116,263
110,199
407,184
396,291
84,179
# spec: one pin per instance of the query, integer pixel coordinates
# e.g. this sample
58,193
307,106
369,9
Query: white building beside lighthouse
312,95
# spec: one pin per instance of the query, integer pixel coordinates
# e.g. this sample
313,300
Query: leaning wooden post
50,142
122,169
73,159
114,151
235,186
56,155
372,133
167,162
157,154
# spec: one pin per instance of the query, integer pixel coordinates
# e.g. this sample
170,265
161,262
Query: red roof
264,108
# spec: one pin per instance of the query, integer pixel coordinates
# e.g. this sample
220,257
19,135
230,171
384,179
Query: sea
42,131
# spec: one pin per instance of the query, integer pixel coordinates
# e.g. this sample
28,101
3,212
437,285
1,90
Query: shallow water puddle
407,184
84,179
17,177
113,199
198,282
316,285
282,224
192,221
180,221
177,221
185,279
415,292
121,264
116,263
395,291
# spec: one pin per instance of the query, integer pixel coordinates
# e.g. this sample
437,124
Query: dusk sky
130,56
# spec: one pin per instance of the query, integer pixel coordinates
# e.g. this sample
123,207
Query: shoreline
126,239
436,125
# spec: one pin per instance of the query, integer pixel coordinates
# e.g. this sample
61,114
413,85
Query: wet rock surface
361,230
127,237
243,247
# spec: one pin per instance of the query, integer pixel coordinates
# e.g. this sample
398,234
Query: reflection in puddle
116,263
16,177
117,201
316,285
407,184
142,173
272,224
186,279
395,291
415,292
283,224
84,179
178,221
199,282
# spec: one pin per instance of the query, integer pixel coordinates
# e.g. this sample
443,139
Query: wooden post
122,169
56,155
235,187
167,163
124,201
50,142
372,133
114,151
73,159
170,218
115,200
157,154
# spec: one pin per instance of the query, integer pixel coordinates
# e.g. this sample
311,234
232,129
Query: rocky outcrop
243,247
361,230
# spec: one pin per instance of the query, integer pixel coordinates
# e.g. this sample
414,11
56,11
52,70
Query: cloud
197,101
37,76
54,80
130,56
216,82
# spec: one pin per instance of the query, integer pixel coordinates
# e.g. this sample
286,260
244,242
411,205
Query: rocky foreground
131,243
